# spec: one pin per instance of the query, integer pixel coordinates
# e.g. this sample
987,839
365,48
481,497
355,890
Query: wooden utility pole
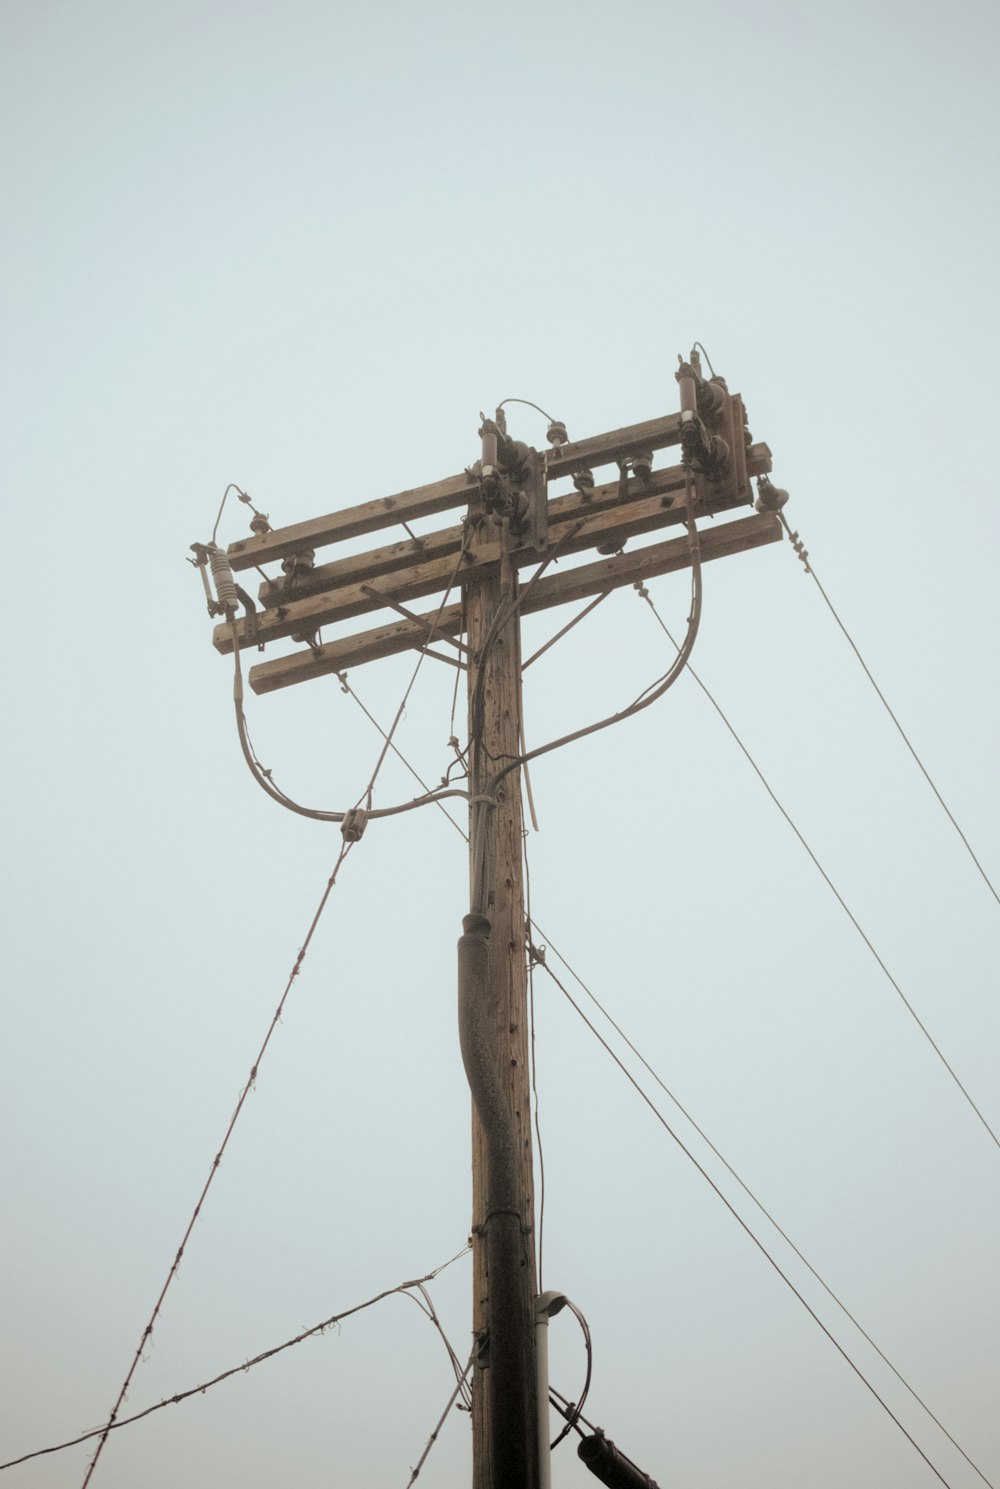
504,1412
512,523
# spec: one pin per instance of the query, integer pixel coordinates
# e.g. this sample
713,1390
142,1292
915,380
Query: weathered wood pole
494,1017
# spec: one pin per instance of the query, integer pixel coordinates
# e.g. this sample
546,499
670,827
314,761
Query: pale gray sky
300,248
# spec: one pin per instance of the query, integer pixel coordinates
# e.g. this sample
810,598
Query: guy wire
792,537
744,1225
644,594
757,1201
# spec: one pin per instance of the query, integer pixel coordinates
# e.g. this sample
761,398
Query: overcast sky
300,248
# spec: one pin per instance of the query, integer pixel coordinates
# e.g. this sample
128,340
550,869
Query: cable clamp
536,954
353,826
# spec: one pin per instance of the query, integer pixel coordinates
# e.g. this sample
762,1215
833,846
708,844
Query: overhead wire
350,691
576,1408
655,690
218,516
565,629
415,1471
807,565
344,850
645,595
264,777
745,1226
242,1369
147,1332
686,1114
534,1066
426,1305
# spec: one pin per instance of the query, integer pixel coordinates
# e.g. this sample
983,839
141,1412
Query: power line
247,1365
793,538
761,1206
743,1223
645,595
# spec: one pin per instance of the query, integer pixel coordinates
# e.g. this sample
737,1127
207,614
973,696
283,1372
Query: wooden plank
610,528
439,496
575,584
377,562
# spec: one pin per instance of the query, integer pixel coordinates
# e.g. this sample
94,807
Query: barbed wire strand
760,1204
344,850
216,1161
743,1224
414,1472
247,1365
645,595
793,538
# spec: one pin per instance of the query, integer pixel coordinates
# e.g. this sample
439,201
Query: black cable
576,1410
644,594
793,539
263,777
760,1205
743,1224
241,1369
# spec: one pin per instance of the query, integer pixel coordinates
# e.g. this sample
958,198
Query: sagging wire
656,690
576,1408
242,1369
755,1199
793,538
147,1332
429,1311
415,1471
645,595
264,777
744,1225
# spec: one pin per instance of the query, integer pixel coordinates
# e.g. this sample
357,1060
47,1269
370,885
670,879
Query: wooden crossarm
439,496
556,589
604,525
376,562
